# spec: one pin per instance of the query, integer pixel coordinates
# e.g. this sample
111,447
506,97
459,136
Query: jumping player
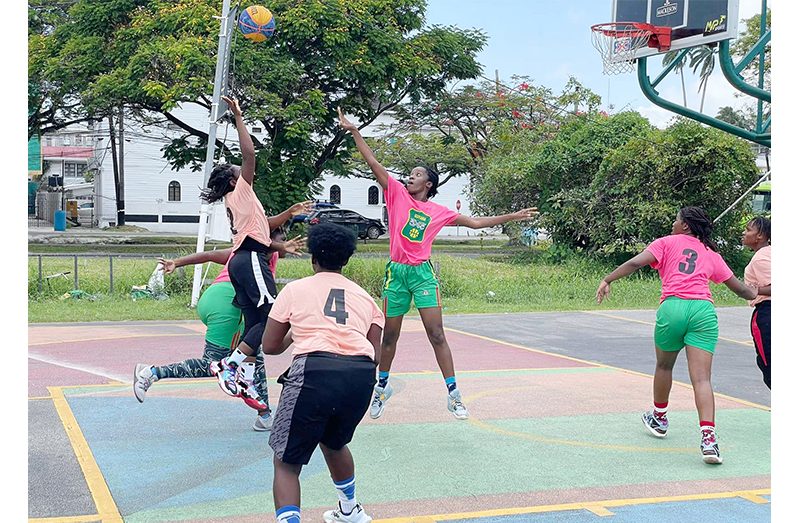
757,273
335,328
249,267
414,221
687,260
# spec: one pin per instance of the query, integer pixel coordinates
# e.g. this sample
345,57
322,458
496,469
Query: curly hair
762,225
331,245
218,183
699,223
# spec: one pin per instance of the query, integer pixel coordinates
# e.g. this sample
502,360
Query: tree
703,57
667,59
736,117
746,41
365,56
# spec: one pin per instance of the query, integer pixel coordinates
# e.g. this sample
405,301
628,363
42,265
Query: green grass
522,283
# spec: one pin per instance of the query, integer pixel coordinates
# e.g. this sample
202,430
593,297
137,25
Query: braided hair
700,225
762,225
218,183
432,176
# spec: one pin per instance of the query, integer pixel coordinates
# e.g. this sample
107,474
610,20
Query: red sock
660,409
707,424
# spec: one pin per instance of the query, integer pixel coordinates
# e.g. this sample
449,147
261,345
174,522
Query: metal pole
76,272
225,30
764,176
111,268
40,273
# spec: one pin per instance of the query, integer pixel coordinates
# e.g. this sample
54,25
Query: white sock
236,357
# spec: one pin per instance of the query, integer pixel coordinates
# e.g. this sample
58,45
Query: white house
161,199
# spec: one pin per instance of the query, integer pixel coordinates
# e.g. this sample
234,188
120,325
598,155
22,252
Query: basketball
256,23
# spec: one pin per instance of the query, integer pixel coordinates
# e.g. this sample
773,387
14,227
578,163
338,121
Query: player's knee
436,336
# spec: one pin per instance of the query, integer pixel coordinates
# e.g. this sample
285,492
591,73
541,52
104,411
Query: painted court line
100,493
600,508
110,338
87,370
67,519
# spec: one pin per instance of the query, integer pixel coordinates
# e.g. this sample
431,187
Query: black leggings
760,331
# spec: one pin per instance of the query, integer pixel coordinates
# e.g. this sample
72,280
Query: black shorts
252,279
324,397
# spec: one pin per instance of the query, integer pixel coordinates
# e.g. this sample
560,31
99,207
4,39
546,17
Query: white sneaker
358,515
142,379
263,423
381,396
455,405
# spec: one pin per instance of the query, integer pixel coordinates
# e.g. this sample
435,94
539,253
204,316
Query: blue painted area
173,452
730,510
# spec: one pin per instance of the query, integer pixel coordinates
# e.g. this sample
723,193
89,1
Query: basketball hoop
617,43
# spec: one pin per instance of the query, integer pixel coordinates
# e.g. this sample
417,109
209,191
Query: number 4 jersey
686,266
328,313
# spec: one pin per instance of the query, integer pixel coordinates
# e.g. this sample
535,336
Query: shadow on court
554,435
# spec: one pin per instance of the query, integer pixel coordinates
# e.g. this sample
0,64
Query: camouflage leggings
198,368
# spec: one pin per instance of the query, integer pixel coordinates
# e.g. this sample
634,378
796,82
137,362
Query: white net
616,43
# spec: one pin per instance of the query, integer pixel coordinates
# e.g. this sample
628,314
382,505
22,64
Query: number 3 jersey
413,224
686,266
328,313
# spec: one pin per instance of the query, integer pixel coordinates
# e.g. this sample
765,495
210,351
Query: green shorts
686,322
222,319
404,284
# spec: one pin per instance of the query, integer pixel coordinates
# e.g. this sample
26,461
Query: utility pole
120,208
497,83
222,59
114,161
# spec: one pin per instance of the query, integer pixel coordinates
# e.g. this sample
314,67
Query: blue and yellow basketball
256,23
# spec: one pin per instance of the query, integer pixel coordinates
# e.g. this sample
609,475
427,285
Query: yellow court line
131,336
606,315
596,507
67,519
598,364
103,500
31,398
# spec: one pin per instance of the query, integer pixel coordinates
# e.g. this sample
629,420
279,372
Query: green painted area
460,459
34,154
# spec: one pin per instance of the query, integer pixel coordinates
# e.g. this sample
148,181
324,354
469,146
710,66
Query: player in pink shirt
687,260
335,329
413,223
757,273
249,268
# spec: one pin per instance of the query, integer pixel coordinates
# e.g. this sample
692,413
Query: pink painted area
414,353
42,375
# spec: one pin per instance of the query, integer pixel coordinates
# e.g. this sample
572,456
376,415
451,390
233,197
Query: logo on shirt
417,223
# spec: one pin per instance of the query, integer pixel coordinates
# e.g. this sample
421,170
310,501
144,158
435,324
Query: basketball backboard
692,22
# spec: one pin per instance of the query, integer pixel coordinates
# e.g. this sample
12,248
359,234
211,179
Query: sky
550,40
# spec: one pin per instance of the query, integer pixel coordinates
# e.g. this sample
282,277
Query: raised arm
305,207
740,289
376,167
245,141
219,256
480,222
624,269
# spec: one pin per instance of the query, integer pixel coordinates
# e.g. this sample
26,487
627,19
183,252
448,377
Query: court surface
554,435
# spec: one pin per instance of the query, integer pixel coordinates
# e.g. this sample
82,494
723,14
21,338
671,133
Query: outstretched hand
525,214
233,104
305,207
344,123
603,291
168,265
295,246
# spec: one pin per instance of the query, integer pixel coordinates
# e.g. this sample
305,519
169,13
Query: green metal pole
761,84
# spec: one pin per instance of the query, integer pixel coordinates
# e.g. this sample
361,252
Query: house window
174,191
335,194
374,195
383,196
257,130
74,170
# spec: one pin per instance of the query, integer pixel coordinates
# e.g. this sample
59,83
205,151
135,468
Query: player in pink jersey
413,223
249,268
687,260
335,329
757,273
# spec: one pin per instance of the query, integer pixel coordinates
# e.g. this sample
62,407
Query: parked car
366,227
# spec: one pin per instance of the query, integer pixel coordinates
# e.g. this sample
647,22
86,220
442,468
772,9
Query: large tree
154,55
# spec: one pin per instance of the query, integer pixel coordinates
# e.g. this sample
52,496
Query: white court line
88,370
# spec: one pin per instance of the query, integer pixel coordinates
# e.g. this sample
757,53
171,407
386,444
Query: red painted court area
524,454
